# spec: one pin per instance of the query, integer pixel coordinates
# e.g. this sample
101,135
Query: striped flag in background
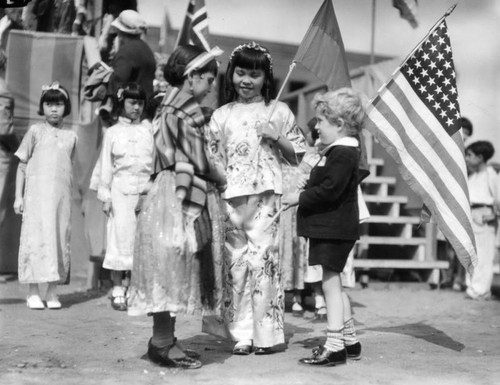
35,59
416,118
195,27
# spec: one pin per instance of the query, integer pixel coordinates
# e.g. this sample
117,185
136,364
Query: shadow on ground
425,332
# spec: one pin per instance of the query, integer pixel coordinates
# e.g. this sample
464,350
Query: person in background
483,193
134,61
121,175
43,197
328,215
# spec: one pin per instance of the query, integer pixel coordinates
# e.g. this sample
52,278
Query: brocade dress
44,250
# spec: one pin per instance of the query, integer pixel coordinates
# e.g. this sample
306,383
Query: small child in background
120,177
43,197
483,193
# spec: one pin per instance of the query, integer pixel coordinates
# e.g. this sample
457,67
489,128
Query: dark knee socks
163,329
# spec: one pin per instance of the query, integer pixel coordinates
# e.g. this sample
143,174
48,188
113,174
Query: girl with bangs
120,177
43,197
253,135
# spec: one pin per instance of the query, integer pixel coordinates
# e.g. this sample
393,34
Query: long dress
44,251
173,268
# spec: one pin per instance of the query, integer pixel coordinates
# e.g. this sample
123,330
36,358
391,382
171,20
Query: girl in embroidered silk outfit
43,197
171,270
120,177
252,150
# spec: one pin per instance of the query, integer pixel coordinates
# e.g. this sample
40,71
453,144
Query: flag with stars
194,30
416,118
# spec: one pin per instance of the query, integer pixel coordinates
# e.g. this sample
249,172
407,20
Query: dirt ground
410,335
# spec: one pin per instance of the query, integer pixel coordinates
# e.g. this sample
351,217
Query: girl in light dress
120,177
254,135
43,197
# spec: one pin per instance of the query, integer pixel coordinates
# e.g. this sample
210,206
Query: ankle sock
349,332
163,331
319,301
334,341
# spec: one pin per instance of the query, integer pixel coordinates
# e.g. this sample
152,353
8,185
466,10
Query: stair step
376,161
374,240
399,264
379,180
370,198
393,220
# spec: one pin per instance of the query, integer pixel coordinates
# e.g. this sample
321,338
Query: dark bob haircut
55,95
250,56
180,58
129,91
482,148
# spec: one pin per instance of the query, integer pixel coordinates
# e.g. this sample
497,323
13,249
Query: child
253,145
43,197
172,247
328,215
483,194
120,177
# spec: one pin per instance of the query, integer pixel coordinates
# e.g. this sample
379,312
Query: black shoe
243,350
188,352
160,356
263,351
325,357
353,351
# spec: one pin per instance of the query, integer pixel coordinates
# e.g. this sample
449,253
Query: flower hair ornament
55,86
119,94
202,59
255,46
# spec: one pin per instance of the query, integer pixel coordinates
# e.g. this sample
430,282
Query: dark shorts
330,253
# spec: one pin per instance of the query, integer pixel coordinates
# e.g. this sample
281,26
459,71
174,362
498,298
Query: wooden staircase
392,239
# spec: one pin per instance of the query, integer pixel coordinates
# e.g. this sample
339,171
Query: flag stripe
421,163
420,181
194,30
415,117
425,142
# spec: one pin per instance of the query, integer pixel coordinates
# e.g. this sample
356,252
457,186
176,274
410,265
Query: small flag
322,50
195,27
416,118
407,10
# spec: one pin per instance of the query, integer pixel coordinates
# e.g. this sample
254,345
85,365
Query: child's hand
266,131
106,207
19,206
302,181
290,199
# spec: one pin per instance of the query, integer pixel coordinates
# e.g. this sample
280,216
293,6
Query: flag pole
273,107
290,69
447,13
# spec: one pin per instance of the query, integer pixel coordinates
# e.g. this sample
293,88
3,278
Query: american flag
195,27
416,118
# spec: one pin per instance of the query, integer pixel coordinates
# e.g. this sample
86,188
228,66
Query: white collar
347,141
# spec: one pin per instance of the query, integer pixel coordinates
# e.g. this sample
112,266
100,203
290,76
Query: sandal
160,356
188,352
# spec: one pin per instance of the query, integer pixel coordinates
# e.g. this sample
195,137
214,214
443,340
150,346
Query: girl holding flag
253,135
